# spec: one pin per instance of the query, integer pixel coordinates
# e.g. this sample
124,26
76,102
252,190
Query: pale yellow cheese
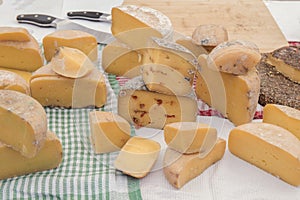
12,81
109,131
24,74
23,122
179,168
197,50
269,147
137,156
83,41
283,116
14,34
14,164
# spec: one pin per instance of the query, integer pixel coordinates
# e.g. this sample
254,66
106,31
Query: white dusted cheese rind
12,81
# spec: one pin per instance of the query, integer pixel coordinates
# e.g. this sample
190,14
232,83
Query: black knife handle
37,19
89,15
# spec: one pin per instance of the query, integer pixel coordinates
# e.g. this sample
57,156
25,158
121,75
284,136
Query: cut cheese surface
14,34
12,81
24,74
137,157
209,35
283,116
14,164
269,147
109,131
23,121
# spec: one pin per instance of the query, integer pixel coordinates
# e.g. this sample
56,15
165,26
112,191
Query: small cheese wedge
269,147
137,157
197,50
14,34
83,41
109,131
179,168
23,122
283,116
24,74
12,81
14,164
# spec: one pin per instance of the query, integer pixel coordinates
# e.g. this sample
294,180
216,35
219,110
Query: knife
90,15
47,21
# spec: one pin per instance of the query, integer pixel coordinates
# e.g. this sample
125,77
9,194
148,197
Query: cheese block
14,34
137,157
179,168
23,122
189,137
197,50
14,164
235,97
26,55
12,81
83,41
235,57
51,89
283,116
109,131
24,74
269,147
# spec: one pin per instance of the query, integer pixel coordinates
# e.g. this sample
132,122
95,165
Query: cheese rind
24,74
12,81
14,34
268,147
197,50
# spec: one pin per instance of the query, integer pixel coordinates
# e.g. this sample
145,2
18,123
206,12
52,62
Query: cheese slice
24,74
14,34
23,121
137,157
268,147
179,168
283,116
83,41
14,164
12,81
109,131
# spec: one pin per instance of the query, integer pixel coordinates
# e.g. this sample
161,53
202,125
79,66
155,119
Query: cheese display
83,41
12,81
23,121
14,164
24,74
283,116
109,131
197,50
269,147
14,34
179,168
137,157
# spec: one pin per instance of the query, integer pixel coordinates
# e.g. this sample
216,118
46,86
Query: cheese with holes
283,116
188,137
24,74
14,164
269,147
179,168
12,81
51,89
23,122
109,131
197,50
83,41
137,157
235,97
14,34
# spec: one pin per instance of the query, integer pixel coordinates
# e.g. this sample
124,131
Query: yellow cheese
14,34
23,122
14,164
268,147
51,89
137,157
109,131
197,50
83,41
24,56
188,137
235,97
179,168
24,74
283,116
12,81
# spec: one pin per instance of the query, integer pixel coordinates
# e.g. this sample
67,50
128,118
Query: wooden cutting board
244,19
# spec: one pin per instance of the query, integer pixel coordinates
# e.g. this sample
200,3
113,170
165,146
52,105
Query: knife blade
89,15
47,21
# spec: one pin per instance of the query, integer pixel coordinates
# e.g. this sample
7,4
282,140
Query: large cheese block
109,131
179,168
137,157
268,147
23,122
83,41
12,81
51,89
24,74
234,96
283,116
14,34
14,164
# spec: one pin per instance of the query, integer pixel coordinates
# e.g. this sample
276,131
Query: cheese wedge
24,74
109,131
137,157
179,168
83,41
14,34
283,116
23,121
197,50
14,164
268,147
12,81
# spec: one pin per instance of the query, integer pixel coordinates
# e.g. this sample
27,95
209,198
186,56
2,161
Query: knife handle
37,19
89,15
